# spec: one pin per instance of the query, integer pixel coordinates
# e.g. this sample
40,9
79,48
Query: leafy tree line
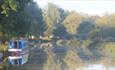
25,17
20,18
68,24
95,33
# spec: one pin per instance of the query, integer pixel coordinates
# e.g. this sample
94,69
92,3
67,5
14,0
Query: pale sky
91,7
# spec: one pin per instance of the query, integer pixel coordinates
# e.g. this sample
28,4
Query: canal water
50,56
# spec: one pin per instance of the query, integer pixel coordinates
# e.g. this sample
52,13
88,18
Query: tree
102,21
38,25
13,19
53,16
71,22
106,25
60,31
15,24
12,5
85,28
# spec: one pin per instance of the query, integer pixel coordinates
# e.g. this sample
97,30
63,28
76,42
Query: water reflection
18,57
49,56
95,67
1,57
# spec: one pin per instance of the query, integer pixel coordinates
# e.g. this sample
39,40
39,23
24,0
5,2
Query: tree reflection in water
49,56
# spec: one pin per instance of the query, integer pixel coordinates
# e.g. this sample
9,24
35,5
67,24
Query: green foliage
109,48
94,33
72,21
53,16
60,31
28,19
85,28
8,5
102,21
12,5
16,24
37,22
106,24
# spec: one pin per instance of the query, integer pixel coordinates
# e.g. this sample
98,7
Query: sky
91,7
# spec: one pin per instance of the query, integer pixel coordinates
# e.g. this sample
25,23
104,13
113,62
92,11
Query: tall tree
53,15
85,28
60,31
72,21
13,18
38,25
106,25
12,5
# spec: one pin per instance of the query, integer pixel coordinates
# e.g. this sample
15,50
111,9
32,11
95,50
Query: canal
50,56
